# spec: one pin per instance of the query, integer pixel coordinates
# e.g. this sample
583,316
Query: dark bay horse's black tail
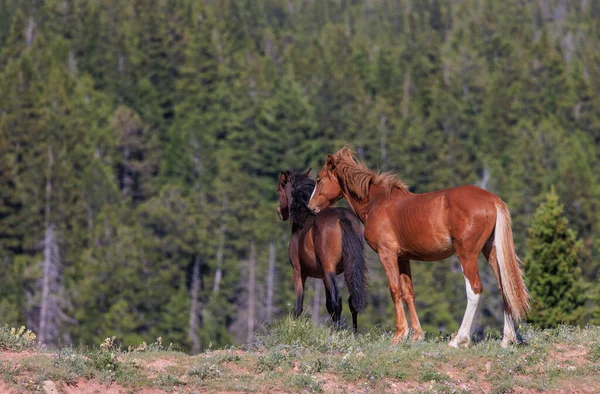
355,267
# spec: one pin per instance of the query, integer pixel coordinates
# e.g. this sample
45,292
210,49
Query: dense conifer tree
551,268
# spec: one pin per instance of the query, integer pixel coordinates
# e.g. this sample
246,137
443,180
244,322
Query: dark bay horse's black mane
302,188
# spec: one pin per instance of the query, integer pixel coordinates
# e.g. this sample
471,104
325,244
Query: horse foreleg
409,298
389,261
299,281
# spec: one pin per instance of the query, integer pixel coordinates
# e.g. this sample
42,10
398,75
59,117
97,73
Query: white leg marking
510,336
464,333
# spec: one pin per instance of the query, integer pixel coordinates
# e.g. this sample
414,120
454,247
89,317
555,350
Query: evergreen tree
595,317
551,268
16,41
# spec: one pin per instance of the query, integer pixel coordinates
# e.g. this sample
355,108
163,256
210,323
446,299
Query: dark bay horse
401,226
322,246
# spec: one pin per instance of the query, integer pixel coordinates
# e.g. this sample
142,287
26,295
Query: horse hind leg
328,302
334,298
468,260
354,315
489,252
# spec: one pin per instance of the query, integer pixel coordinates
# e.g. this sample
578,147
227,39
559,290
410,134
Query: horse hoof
418,337
506,342
459,342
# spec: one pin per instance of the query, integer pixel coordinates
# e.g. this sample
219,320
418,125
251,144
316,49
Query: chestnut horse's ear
346,151
330,162
307,173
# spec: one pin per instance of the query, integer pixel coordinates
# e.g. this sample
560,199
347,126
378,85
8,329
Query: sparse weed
225,357
595,352
431,375
69,365
502,384
274,359
156,346
168,381
15,339
9,372
303,333
306,382
205,371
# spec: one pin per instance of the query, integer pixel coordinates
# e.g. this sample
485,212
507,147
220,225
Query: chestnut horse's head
284,192
328,189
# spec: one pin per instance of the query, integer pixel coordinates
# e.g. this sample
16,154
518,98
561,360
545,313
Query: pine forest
141,142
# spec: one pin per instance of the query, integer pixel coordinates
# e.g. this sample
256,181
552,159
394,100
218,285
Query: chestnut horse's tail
511,278
355,267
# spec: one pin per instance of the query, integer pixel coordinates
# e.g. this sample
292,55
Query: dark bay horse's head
328,190
293,188
284,191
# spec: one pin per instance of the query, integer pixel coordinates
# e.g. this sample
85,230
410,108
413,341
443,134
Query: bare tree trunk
251,290
382,147
406,95
30,31
485,178
47,264
316,306
194,324
220,250
270,280
45,288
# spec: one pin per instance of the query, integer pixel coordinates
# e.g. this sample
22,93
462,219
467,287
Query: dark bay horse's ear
307,173
282,178
330,162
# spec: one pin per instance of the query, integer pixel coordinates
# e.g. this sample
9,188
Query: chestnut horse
401,226
322,246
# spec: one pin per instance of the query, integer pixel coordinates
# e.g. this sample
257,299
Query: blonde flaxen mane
358,178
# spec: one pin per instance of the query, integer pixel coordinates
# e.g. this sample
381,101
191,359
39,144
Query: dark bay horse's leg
389,261
334,297
489,252
409,298
354,316
328,302
299,281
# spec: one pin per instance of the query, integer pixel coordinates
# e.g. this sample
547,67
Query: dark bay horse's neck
300,216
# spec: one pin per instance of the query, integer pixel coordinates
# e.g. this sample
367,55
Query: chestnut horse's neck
363,207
